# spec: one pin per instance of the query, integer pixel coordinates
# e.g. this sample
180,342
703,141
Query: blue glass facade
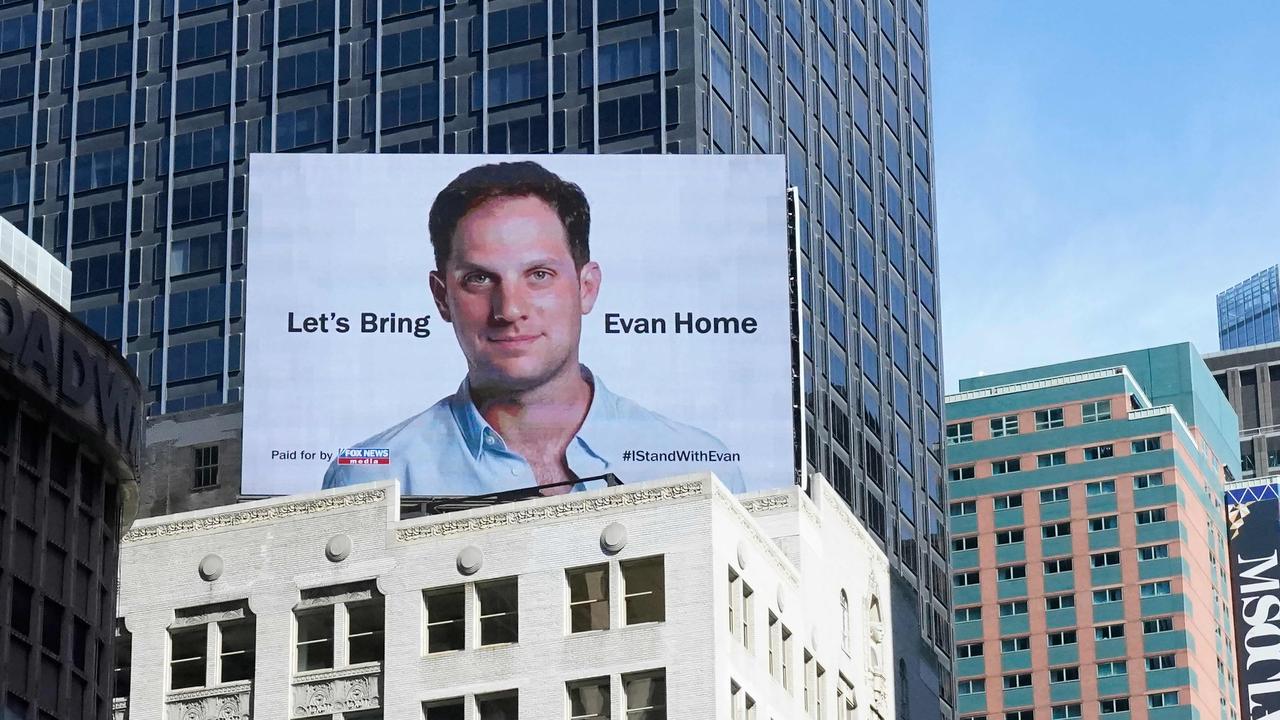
1249,313
126,127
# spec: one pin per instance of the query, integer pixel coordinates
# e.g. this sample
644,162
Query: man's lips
512,340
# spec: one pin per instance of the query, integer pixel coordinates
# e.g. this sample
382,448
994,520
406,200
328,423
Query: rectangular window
1011,572
644,590
206,461
965,579
971,686
365,631
965,507
1065,712
969,650
1105,559
1162,699
1113,705
1016,607
187,647
1061,529
1146,517
1002,426
1052,459
1057,565
1104,522
315,639
1093,412
1010,465
968,542
1157,625
1015,644
1051,495
1145,445
1156,589
646,695
589,699
500,706
1007,537
961,473
1100,487
1018,680
959,433
1160,662
1142,482
1005,502
1062,637
1153,552
588,598
445,619
968,614
1049,419
1064,674
499,605
1108,595
1099,452
1108,632
1060,602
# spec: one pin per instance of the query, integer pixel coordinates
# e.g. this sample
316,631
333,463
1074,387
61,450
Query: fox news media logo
364,456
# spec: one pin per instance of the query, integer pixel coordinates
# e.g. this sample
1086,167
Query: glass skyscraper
126,128
1249,312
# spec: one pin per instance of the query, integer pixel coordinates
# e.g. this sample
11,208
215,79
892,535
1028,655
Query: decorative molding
254,516
767,503
235,688
325,697
209,704
748,524
572,508
119,708
351,671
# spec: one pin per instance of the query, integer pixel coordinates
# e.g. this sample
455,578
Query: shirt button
488,439
515,471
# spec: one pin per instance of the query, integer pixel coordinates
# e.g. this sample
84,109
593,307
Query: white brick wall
272,550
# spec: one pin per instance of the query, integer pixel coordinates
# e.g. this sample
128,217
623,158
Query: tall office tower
1089,540
1249,312
1250,378
126,128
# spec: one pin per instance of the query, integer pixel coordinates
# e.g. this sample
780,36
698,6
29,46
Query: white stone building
669,599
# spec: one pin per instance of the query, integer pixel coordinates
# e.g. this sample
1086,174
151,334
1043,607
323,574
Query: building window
1145,445
1008,537
1057,565
589,699
451,709
846,701
1108,632
498,706
1020,715
588,599
1050,495
1002,426
968,542
845,625
499,606
1099,452
446,623
1015,644
961,473
1146,517
646,695
1062,637
1066,712
1162,699
122,671
959,433
962,508
206,467
1060,602
1105,559
1108,595
1061,529
1160,662
1052,459
1111,706
1016,607
1049,419
775,648
1005,502
1153,552
1142,482
1157,625
1156,589
1103,522
1017,680
208,646
969,650
1011,572
1100,487
1008,465
1093,412
1064,674
968,614
644,590
786,658
971,686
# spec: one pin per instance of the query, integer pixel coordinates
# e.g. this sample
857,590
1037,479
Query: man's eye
476,279
541,275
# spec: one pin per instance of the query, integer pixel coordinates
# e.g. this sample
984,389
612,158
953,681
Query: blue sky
1103,170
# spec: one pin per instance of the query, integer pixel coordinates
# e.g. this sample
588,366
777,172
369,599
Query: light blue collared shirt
450,449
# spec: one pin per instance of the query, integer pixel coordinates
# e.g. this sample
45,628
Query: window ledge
220,690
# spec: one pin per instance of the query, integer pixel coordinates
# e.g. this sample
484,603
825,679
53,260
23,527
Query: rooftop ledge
1057,381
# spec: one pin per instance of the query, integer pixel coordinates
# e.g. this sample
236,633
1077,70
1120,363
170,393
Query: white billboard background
341,235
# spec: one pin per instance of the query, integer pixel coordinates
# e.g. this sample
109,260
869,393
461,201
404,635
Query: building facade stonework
673,598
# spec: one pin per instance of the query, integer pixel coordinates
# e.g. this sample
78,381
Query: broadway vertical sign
1255,579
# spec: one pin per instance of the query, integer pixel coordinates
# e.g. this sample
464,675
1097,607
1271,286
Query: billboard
1253,519
475,324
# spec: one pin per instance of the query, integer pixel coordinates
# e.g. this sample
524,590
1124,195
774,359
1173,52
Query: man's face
513,294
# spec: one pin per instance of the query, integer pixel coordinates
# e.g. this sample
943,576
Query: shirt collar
478,435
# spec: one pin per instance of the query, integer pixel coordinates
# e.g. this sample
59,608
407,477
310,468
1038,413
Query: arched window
844,621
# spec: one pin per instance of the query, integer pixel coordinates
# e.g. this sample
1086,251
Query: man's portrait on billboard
514,278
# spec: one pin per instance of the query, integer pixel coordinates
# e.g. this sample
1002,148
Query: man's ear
440,293
589,285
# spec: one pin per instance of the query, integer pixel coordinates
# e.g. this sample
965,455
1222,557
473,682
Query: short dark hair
510,179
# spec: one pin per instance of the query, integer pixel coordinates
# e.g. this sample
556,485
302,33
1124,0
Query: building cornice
267,512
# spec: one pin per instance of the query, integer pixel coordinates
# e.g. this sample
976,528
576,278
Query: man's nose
509,303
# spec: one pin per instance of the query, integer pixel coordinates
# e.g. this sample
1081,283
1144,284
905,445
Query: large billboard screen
1253,519
476,324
